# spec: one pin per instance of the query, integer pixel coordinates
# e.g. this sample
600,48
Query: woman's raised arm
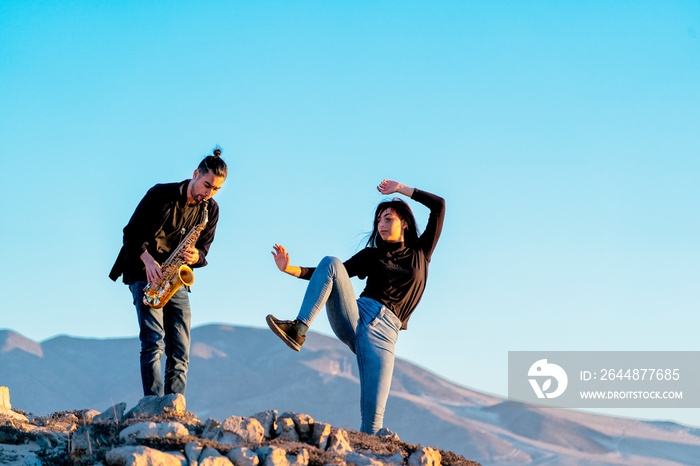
390,187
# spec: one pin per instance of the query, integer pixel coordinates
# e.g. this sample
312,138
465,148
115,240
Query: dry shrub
388,446
11,435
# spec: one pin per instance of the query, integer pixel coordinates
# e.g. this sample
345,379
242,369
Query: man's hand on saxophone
191,255
153,272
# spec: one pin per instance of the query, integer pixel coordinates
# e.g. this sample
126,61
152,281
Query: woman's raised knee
330,261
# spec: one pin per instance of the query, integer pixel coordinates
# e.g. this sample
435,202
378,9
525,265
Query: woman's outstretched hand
281,257
390,187
282,261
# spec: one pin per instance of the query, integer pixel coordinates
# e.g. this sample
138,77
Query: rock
358,459
20,455
143,456
150,406
88,414
5,398
301,459
286,430
273,456
211,457
396,459
263,452
386,433
211,428
11,415
243,456
146,430
114,413
338,442
240,431
193,451
267,419
49,439
6,408
320,434
46,441
303,423
372,459
425,457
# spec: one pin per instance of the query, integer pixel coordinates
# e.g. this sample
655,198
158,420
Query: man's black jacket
162,213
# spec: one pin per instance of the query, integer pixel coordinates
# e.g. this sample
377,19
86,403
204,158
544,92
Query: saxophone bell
186,275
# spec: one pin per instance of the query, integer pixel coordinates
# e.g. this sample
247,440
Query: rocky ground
160,431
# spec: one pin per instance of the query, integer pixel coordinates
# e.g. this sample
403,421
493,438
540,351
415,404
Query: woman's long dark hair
410,236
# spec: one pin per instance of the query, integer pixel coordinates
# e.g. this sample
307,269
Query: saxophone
175,270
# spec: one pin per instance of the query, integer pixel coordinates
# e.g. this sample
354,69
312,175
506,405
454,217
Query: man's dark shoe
287,330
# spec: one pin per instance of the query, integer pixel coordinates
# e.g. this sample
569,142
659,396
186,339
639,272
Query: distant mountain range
238,370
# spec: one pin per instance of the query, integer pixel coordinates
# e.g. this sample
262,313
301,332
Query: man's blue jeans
368,328
167,328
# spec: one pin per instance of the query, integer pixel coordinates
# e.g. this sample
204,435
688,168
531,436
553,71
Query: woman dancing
395,263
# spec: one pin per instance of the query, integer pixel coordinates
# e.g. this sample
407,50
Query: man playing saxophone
173,224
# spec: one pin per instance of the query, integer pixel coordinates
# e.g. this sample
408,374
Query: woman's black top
396,272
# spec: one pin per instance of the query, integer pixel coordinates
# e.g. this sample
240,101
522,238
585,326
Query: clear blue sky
563,135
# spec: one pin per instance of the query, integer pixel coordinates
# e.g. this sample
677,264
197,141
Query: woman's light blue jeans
365,325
